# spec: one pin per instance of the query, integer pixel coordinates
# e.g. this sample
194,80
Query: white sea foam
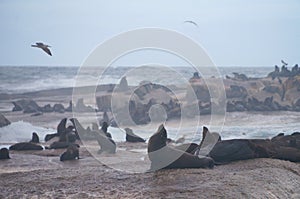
22,131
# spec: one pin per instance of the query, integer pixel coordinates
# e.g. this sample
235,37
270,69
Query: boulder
59,108
28,106
3,121
47,108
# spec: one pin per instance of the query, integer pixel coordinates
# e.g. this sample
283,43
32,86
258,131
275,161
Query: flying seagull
192,22
42,46
284,63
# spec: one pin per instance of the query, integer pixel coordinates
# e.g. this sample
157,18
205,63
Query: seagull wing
47,50
283,62
192,22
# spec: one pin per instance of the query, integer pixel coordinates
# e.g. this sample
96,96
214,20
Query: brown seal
35,138
131,137
4,154
165,157
71,153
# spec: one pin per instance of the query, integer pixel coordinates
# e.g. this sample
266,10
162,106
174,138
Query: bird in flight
42,46
191,22
284,63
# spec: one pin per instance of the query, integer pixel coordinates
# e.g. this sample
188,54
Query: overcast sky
233,32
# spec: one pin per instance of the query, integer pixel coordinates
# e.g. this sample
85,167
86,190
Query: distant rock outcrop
123,86
3,121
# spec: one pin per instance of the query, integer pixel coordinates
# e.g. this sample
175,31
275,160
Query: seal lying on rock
4,154
165,157
131,137
71,154
241,149
31,145
280,147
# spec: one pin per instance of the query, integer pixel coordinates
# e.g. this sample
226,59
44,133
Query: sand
36,176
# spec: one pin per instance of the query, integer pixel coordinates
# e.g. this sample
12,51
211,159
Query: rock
123,86
200,91
272,89
236,92
47,108
59,108
36,114
31,107
17,107
149,87
70,107
3,121
239,77
28,106
297,104
104,103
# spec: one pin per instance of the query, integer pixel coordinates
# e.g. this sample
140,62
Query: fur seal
24,146
280,147
35,138
31,145
61,128
188,147
104,128
67,136
4,154
165,157
71,153
131,137
207,139
107,144
79,129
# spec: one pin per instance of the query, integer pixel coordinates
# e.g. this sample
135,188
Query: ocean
20,79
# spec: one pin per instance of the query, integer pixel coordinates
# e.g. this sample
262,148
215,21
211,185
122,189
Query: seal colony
212,150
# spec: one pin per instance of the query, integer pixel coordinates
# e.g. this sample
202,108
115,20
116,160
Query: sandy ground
33,175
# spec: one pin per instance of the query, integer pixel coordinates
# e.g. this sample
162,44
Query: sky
232,32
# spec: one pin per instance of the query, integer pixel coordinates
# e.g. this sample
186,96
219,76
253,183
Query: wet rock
47,108
31,107
28,106
3,121
17,107
272,89
59,108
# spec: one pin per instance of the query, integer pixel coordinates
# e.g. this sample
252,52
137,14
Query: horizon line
256,66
